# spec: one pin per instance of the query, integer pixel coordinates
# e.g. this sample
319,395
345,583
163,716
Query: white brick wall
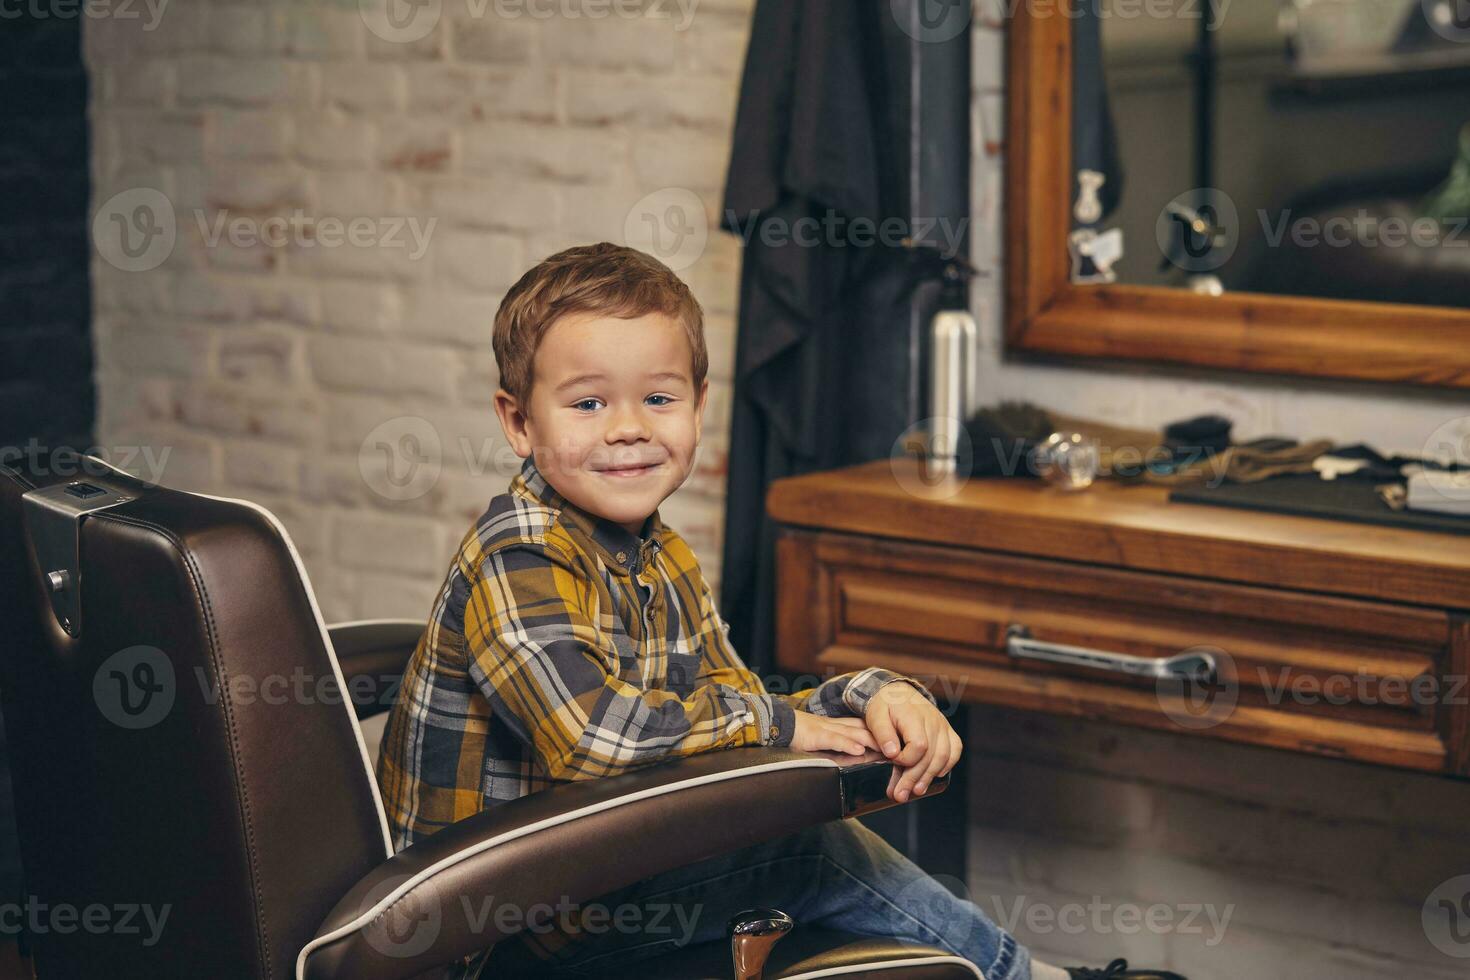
261,370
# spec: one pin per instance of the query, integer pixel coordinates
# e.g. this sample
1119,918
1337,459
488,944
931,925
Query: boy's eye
586,404
661,399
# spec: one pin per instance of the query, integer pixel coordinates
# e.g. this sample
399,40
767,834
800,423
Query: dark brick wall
46,388
46,392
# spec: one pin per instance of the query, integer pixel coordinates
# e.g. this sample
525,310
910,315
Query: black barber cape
823,365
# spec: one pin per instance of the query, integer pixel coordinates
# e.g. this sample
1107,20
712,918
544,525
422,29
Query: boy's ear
513,422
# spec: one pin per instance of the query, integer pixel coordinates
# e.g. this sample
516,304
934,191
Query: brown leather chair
192,785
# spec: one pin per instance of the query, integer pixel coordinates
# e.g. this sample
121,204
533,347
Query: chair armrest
443,898
373,654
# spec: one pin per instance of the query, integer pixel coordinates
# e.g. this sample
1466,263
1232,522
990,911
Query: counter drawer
1377,682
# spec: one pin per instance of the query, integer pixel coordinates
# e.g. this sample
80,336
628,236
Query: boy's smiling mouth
623,472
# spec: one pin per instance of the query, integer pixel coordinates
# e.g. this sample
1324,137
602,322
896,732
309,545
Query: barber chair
187,747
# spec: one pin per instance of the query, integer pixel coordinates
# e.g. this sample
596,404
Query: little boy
575,637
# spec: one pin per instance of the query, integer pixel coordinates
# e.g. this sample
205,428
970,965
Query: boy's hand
815,733
930,747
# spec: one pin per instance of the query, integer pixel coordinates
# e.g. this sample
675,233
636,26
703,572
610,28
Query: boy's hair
607,279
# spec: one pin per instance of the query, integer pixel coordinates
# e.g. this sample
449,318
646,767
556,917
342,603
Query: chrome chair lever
753,934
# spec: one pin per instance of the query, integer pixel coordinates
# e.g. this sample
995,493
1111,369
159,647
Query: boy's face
614,418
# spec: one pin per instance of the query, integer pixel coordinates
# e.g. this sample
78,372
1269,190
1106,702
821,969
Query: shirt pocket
685,661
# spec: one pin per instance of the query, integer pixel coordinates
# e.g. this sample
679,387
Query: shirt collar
619,546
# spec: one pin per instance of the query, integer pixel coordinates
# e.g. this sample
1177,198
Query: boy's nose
628,425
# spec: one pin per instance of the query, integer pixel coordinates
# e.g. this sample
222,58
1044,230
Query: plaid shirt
564,647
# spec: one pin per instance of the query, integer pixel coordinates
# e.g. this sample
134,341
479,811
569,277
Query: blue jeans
838,875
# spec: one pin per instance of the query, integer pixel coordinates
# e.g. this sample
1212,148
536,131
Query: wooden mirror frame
1046,313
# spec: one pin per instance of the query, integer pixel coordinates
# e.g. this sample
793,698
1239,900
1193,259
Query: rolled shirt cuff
867,683
775,719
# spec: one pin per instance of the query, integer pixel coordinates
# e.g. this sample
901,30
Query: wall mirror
1275,186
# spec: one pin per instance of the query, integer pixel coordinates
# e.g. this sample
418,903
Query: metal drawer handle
1189,664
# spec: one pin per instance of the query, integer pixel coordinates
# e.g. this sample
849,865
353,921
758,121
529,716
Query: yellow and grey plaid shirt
564,647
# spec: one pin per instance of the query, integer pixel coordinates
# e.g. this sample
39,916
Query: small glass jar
1067,460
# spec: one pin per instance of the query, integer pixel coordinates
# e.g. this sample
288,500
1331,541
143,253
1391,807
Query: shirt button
622,556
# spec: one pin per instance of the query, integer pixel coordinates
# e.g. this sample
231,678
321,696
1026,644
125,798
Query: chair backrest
192,792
